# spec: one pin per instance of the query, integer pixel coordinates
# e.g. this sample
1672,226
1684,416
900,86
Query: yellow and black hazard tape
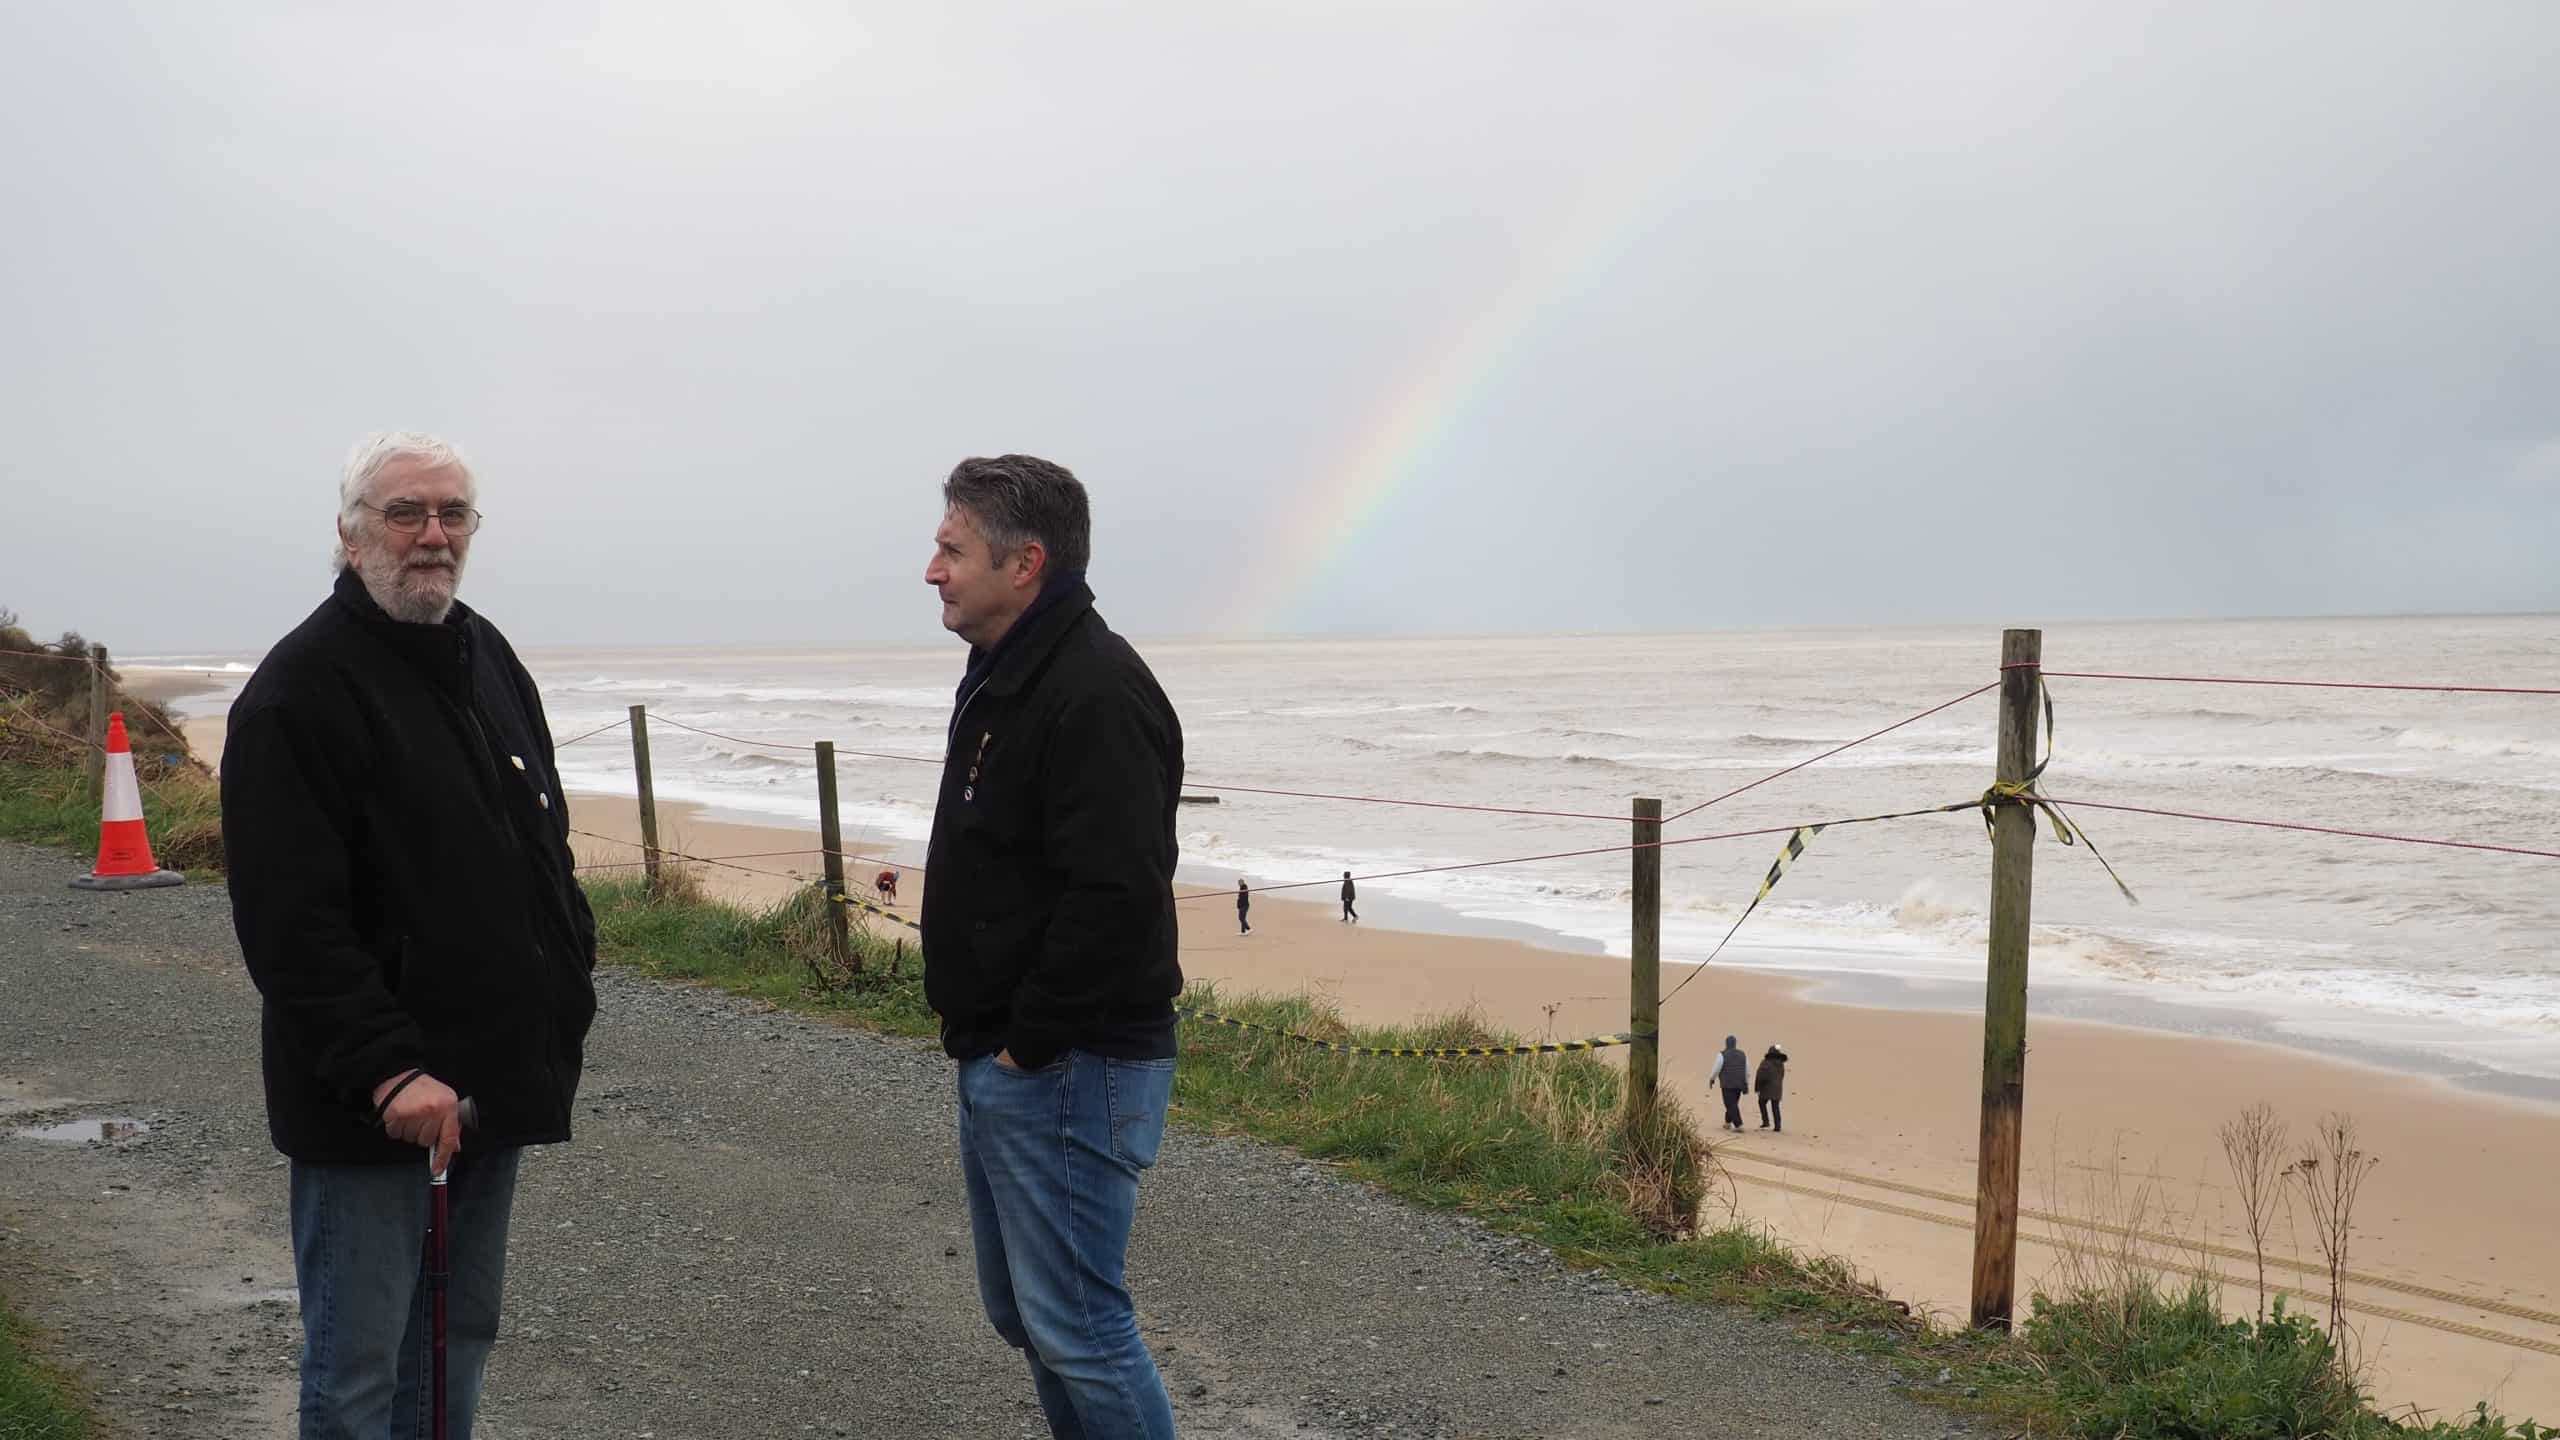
882,911
1552,1047
2021,793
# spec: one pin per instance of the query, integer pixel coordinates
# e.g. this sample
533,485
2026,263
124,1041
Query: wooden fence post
648,795
1644,978
831,837
2004,1006
97,716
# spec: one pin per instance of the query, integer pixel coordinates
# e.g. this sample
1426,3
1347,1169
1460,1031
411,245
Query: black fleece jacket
1048,903
401,880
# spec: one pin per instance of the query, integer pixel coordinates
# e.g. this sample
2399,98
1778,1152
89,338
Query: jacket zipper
951,735
497,777
507,822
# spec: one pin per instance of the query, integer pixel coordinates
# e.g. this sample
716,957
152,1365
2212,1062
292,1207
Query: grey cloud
1654,316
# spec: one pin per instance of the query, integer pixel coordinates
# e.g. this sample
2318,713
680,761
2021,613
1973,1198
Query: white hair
374,454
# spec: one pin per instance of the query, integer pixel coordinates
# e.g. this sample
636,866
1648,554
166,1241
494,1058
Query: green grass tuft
37,1402
767,953
49,805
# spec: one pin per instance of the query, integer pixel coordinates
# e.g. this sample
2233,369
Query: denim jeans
1052,1157
359,1234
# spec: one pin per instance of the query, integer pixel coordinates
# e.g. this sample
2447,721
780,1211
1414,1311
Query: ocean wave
1353,711
1513,757
2481,746
1750,741
742,757
1605,762
227,667
759,697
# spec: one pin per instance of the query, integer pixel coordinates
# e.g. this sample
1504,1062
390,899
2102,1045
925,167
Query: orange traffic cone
124,847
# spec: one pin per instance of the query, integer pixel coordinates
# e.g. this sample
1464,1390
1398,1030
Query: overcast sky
1361,316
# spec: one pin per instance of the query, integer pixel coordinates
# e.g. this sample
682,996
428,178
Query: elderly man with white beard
404,895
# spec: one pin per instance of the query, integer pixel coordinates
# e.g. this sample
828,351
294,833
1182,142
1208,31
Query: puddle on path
82,1132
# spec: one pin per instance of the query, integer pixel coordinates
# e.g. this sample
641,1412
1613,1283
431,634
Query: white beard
407,591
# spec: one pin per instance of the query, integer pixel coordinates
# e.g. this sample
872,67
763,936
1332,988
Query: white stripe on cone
124,846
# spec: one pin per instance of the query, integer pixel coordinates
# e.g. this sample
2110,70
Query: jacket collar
443,651
1026,645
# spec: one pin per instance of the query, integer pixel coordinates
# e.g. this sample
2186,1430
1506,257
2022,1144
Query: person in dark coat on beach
1350,892
1733,1076
1244,903
1771,1085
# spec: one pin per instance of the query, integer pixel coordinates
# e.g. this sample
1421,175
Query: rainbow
1436,391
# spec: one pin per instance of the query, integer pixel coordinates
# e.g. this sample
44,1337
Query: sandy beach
203,729
1877,1162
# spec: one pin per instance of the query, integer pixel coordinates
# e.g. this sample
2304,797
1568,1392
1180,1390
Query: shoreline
169,688
2078,1000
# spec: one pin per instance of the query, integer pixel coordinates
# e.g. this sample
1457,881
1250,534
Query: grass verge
52,805
46,796
37,1402
773,954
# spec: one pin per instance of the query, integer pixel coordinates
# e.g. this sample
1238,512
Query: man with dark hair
1350,892
1050,948
402,887
1244,907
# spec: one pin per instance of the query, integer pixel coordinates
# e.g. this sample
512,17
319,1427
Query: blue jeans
1052,1157
359,1235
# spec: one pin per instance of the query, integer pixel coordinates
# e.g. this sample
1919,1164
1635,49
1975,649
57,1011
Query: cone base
151,880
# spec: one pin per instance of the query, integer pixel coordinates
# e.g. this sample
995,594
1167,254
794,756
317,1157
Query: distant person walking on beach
1350,892
1771,1084
1244,902
1733,1075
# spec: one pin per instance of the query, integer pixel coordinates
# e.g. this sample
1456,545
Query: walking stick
439,1271
439,1274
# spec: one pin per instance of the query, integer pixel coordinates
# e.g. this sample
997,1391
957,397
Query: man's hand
424,1114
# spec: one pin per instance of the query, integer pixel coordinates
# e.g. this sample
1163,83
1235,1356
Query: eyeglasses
409,517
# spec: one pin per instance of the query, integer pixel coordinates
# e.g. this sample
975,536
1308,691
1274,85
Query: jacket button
977,924
545,798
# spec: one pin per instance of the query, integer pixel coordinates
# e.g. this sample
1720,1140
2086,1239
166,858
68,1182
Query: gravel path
759,1232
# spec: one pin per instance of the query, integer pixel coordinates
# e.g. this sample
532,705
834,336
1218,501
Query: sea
2436,959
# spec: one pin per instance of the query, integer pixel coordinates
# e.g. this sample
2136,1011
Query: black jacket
1733,1069
1048,902
401,880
